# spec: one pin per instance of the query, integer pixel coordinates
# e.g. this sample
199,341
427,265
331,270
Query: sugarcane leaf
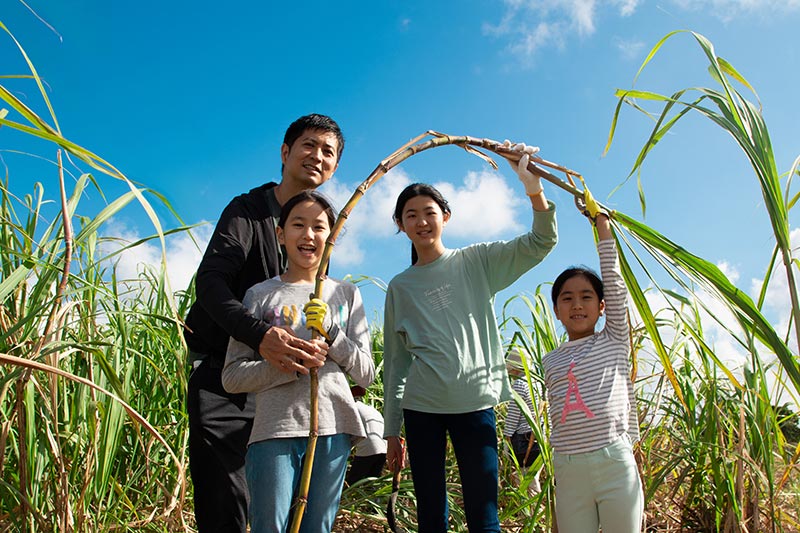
648,320
13,280
626,94
35,77
613,128
107,212
653,52
711,276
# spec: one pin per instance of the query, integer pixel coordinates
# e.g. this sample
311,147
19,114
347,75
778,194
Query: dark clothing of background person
243,251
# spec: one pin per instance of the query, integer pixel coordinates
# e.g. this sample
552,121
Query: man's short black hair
315,122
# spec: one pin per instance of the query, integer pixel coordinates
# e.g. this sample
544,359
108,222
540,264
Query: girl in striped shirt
592,407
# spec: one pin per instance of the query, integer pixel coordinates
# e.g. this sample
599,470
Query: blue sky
192,100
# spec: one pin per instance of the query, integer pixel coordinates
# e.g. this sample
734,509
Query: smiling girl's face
303,235
423,221
578,307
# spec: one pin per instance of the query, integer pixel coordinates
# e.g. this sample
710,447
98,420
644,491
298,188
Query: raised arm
616,292
518,158
603,225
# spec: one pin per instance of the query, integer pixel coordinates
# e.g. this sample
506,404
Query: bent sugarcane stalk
536,165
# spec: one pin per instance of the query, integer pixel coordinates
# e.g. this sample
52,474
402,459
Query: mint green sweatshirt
442,348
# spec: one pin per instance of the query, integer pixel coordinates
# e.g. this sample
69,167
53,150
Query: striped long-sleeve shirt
515,420
589,389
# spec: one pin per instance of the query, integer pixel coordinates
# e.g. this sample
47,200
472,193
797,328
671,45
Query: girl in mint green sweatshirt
443,359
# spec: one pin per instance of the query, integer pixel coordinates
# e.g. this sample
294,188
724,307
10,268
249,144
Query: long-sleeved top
515,421
372,419
589,388
243,251
283,399
442,347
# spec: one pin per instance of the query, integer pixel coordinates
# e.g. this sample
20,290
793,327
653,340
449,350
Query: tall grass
734,437
93,427
76,357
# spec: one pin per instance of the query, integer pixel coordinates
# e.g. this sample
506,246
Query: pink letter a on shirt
572,390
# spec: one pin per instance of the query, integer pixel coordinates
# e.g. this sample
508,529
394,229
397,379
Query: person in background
369,455
243,251
443,360
517,430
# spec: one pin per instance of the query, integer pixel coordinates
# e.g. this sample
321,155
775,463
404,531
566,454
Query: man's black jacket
243,251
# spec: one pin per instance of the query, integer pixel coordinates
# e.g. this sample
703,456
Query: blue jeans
474,439
273,469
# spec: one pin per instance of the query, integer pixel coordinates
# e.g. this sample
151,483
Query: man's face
311,160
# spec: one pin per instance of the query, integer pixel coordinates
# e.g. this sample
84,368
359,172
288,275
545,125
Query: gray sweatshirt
283,399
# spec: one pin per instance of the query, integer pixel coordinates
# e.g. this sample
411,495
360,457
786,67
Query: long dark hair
571,272
412,191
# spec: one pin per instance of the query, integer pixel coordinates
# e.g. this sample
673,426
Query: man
244,251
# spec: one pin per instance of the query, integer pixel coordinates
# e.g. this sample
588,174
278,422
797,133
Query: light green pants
599,489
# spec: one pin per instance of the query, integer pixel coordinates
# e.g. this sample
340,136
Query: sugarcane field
550,285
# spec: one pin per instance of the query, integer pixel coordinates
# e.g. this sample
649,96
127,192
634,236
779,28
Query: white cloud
582,15
629,49
483,207
483,204
727,10
535,24
371,217
182,253
531,25
730,271
544,34
777,301
626,7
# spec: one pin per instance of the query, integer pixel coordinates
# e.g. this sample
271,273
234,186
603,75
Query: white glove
532,183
